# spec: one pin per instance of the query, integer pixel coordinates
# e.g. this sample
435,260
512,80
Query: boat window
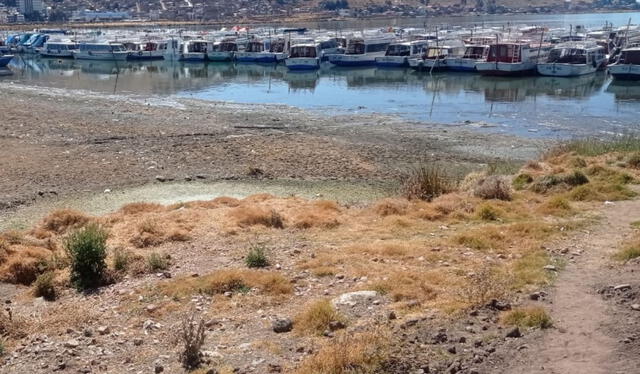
255,47
329,44
568,56
228,47
277,46
508,53
474,52
398,50
435,52
630,57
308,52
355,48
377,47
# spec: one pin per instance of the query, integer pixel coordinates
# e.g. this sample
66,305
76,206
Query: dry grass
61,221
231,280
322,214
248,215
484,285
426,182
349,353
389,207
630,250
556,206
527,317
493,187
140,208
24,265
316,316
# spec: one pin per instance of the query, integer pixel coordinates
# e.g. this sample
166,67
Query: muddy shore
55,144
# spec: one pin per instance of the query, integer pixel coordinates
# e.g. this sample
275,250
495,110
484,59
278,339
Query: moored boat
513,59
573,59
467,62
304,57
226,50
434,58
5,60
398,54
362,51
627,67
195,50
101,52
146,51
259,51
58,49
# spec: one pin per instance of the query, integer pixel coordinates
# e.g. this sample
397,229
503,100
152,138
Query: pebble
621,287
104,330
71,343
550,268
514,333
282,325
635,306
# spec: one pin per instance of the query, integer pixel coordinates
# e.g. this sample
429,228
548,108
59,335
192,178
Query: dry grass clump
192,334
630,250
634,160
216,203
391,207
521,181
409,285
148,234
138,208
45,286
322,214
362,352
426,182
24,264
489,212
527,317
251,215
316,316
493,187
601,192
60,221
529,270
484,285
231,280
557,206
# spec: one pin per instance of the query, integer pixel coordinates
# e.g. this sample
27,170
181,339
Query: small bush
390,207
545,183
503,167
2,348
426,183
557,205
44,286
87,249
157,262
577,178
62,220
316,316
521,181
230,280
630,251
634,160
578,162
488,212
24,266
257,257
192,334
121,260
493,187
529,317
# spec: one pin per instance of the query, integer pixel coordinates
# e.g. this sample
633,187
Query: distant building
30,6
91,16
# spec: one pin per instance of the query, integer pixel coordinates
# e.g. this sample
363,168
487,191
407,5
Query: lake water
534,106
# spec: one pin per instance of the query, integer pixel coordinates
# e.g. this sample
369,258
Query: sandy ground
56,143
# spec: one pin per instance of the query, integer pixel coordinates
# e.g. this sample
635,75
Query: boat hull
193,57
302,63
392,61
565,70
5,60
262,57
352,60
221,56
461,64
427,65
145,56
625,72
506,69
100,56
56,54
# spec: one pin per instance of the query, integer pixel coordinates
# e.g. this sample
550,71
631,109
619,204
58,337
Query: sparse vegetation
121,260
192,334
60,221
157,261
87,249
426,182
596,147
488,212
521,181
493,187
630,250
484,285
527,317
257,257
316,316
251,215
44,286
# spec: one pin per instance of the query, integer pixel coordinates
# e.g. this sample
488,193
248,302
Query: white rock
352,298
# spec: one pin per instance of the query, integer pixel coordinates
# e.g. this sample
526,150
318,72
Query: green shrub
257,258
531,317
628,253
426,182
596,147
521,181
488,212
44,286
544,184
577,178
157,262
2,348
87,249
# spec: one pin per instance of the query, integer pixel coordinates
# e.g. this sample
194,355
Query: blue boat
5,60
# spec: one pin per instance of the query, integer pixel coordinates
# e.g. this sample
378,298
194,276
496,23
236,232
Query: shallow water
534,106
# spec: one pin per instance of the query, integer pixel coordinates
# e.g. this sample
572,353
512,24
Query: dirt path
585,339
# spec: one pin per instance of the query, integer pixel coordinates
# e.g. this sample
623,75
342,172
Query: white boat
513,59
627,67
146,51
573,59
101,51
398,54
59,49
362,51
329,46
259,51
226,50
195,50
304,57
434,58
467,62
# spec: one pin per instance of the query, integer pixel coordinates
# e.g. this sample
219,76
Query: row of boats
527,51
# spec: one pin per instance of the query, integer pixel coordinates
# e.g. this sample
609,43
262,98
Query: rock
282,325
150,308
158,368
228,293
635,306
161,178
87,333
550,268
71,343
336,325
104,330
535,296
352,298
622,287
452,349
137,341
392,315
499,305
514,333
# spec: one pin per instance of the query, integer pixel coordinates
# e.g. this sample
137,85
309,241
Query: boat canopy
630,56
568,56
303,51
475,51
255,47
505,52
401,49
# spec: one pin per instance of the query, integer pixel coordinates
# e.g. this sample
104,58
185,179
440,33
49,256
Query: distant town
84,11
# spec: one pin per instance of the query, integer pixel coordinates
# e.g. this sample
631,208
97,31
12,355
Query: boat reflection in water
5,72
578,105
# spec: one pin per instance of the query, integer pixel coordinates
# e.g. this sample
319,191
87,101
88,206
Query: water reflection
563,105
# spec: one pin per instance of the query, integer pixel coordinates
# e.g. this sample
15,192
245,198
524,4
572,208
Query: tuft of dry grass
484,285
629,251
63,220
230,280
489,212
527,317
323,214
24,265
316,316
389,207
139,208
362,352
251,215
148,234
557,206
493,187
426,182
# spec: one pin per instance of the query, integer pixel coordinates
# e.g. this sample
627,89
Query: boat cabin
476,52
506,52
630,56
102,47
304,51
359,46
